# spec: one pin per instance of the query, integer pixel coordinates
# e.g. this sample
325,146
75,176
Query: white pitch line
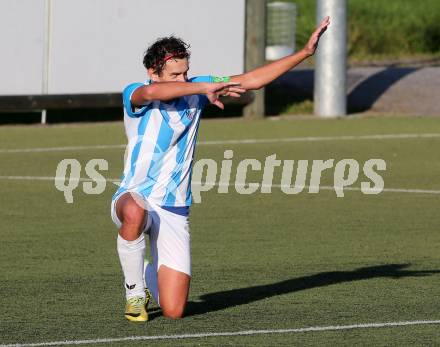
227,334
323,138
116,181
369,190
58,149
243,141
388,190
49,178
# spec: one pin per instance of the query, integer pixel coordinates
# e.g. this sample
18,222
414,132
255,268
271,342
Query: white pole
46,53
330,98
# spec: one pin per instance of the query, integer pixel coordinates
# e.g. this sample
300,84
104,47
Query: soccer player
161,118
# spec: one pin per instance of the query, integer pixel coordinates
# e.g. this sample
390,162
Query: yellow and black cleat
135,309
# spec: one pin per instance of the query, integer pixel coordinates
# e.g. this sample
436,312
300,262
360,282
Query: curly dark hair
156,54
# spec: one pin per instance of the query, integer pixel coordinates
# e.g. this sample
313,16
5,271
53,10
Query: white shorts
169,236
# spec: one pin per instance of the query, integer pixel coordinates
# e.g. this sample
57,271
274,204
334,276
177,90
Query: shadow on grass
225,299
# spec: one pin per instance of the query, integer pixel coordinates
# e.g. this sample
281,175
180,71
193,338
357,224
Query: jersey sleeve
132,111
206,79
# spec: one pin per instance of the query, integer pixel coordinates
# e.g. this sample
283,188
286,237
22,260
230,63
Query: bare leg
132,214
173,291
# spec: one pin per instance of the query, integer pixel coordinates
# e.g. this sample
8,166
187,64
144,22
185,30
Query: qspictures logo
293,176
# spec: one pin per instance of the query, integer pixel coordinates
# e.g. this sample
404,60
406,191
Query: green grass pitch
260,261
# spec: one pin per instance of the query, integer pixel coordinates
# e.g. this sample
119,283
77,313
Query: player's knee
133,214
173,312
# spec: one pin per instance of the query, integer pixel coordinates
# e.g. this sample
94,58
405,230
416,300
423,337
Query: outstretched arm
166,91
263,75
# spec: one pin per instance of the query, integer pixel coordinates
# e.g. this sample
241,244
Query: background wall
21,42
96,46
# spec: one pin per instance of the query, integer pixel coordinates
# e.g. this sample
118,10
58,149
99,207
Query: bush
392,28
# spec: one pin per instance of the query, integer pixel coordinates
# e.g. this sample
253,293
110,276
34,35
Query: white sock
131,256
151,281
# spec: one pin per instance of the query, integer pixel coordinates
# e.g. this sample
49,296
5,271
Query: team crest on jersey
190,114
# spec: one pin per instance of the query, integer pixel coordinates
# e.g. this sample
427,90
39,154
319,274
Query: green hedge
392,28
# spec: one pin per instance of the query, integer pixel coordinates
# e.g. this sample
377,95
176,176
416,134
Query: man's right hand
215,90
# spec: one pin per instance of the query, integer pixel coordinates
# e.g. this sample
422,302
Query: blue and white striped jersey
161,140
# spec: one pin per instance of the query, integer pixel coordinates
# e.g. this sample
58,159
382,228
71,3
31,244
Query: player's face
175,70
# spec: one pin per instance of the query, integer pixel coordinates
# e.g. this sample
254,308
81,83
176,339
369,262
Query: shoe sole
136,319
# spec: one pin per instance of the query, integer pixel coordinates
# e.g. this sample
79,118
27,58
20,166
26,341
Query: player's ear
153,76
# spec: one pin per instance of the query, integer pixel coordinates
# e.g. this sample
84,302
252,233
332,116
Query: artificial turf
260,261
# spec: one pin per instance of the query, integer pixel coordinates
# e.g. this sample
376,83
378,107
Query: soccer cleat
136,309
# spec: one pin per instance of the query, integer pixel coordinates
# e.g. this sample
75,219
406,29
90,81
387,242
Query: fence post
255,51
